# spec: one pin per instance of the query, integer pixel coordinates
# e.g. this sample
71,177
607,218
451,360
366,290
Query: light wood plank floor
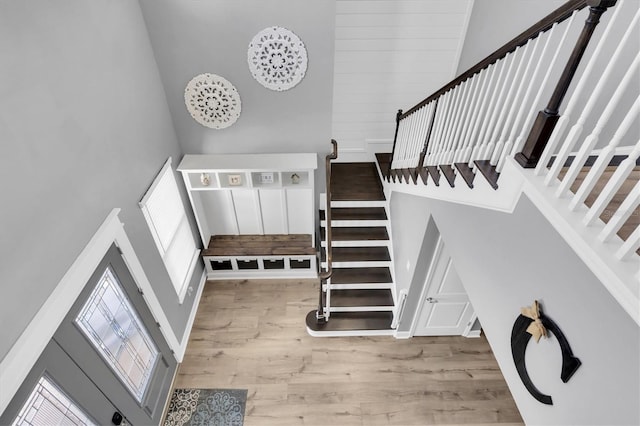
251,335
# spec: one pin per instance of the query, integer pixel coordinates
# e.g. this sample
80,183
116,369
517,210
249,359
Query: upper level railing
584,158
489,112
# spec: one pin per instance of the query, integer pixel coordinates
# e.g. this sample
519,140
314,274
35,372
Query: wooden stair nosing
466,172
424,174
449,174
414,175
356,213
488,171
351,321
435,174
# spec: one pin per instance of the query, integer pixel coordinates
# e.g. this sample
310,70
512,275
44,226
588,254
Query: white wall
84,128
495,22
194,37
506,261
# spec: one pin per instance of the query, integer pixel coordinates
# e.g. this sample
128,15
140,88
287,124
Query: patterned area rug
207,407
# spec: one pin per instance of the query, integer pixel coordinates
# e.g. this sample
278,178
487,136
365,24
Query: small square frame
235,180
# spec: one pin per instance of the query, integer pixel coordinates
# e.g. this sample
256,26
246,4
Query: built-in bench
260,256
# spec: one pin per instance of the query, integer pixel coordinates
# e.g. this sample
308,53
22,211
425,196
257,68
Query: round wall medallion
212,101
277,58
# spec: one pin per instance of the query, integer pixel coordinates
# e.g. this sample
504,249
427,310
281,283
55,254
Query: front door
446,310
112,336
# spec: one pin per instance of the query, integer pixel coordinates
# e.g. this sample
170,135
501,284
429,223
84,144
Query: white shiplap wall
389,55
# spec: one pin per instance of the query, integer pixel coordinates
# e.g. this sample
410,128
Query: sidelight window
49,405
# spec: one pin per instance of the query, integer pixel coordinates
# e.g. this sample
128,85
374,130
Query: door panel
56,365
446,310
81,350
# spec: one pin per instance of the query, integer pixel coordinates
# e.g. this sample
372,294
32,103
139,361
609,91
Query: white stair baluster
463,125
510,108
487,107
604,157
592,139
504,102
458,91
429,159
621,215
629,247
494,106
445,111
480,113
480,79
422,131
612,186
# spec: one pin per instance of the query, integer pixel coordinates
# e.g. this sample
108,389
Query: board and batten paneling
389,55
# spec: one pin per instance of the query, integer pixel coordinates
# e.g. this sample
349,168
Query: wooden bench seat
260,245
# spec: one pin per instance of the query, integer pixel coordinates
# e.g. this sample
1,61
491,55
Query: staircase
359,294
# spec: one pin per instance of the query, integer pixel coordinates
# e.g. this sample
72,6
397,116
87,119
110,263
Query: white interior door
446,310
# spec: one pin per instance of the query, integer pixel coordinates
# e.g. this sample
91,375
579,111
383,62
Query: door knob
431,300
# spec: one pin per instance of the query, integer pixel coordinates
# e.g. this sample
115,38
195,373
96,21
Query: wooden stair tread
370,297
360,275
489,172
356,213
466,173
449,174
359,254
351,321
357,233
355,182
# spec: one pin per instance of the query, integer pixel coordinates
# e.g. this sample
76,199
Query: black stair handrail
326,274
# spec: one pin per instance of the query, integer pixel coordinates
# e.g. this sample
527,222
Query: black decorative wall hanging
532,322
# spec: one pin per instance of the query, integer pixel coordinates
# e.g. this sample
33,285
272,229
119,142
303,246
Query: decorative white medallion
212,101
277,58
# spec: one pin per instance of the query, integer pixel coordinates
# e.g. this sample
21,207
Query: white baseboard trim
179,354
403,335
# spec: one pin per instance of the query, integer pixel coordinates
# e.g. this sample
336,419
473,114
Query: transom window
49,405
114,328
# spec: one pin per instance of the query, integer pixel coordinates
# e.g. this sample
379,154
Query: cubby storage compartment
220,265
274,264
299,263
247,264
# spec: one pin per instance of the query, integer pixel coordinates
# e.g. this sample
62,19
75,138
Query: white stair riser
362,264
360,286
350,333
361,308
337,204
353,223
359,243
